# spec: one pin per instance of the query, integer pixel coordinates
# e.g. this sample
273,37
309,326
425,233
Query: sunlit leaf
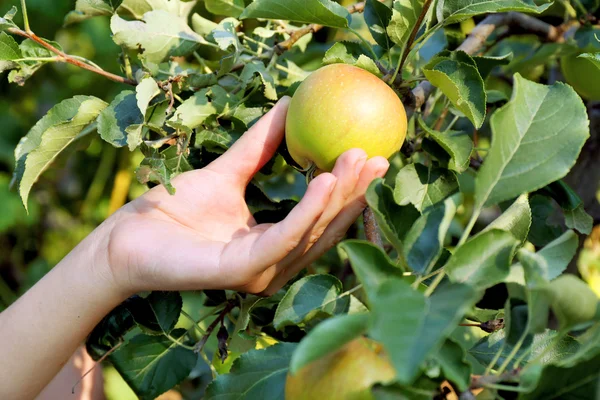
50,136
451,11
158,36
314,296
322,12
423,186
151,365
548,121
484,260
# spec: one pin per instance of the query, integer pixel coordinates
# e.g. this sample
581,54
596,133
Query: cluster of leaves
200,84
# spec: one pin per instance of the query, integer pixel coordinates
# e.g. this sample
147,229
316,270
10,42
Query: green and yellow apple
339,107
348,374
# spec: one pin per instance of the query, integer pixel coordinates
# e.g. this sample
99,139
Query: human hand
204,236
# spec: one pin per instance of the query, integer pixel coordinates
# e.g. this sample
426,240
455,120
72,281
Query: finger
283,237
374,168
247,156
347,170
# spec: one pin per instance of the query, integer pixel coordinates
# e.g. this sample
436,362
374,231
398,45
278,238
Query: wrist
103,268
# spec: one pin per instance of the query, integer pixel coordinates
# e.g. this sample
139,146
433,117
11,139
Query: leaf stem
256,42
435,283
177,342
513,352
41,59
364,41
25,16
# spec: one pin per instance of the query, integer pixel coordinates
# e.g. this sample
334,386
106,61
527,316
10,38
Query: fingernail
360,164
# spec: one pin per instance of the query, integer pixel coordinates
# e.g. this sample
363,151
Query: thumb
248,155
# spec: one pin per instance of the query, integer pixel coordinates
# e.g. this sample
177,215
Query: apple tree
474,269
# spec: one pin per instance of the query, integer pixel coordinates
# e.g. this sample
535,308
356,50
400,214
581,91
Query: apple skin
339,107
583,75
348,373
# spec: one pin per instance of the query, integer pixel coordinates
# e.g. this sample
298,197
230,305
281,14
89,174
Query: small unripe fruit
348,373
340,107
583,75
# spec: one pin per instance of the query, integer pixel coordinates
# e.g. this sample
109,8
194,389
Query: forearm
41,331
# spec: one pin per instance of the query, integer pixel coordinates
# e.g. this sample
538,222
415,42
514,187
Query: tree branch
63,57
516,22
371,229
282,47
412,37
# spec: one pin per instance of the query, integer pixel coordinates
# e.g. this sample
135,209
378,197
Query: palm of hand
204,237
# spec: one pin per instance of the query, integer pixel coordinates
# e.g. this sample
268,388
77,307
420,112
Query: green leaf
487,347
579,220
85,9
559,382
257,374
457,144
484,260
225,35
109,332
516,219
339,54
146,90
393,220
536,273
194,111
548,121
424,242
137,8
594,58
228,8
203,26
151,365
159,36
420,329
458,78
322,12
423,186
572,301
9,50
404,17
155,170
370,264
61,126
7,21
327,337
557,254
378,16
451,357
118,116
452,11
258,68
314,296
30,49
157,313
485,64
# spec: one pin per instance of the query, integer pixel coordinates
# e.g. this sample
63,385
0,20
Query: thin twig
70,59
200,345
25,16
413,36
